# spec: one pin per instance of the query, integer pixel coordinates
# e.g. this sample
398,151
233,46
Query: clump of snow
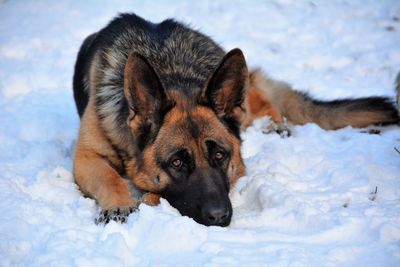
317,198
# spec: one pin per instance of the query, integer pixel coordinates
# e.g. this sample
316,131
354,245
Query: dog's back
182,58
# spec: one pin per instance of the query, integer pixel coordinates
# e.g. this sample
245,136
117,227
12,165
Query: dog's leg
258,105
95,170
97,179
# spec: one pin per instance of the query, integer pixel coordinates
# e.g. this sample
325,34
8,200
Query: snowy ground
306,201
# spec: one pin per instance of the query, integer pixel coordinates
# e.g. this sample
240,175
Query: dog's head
189,145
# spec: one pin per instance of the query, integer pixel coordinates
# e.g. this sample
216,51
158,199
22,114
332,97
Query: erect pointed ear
226,88
143,89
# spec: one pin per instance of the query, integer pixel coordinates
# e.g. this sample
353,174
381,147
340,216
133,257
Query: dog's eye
176,163
219,155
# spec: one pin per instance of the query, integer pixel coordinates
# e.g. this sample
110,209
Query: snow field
317,198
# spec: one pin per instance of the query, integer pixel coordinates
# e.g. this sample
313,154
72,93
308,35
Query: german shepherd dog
162,106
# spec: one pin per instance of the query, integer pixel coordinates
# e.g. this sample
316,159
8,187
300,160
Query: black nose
217,214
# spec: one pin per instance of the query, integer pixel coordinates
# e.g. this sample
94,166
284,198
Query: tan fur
96,165
260,99
154,180
151,199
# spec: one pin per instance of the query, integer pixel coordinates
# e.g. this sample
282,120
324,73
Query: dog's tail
279,100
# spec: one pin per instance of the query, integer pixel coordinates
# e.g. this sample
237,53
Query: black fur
81,94
373,104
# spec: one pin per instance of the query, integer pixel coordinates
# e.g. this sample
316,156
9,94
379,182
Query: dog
162,107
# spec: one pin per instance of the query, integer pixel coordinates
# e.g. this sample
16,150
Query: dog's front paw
119,214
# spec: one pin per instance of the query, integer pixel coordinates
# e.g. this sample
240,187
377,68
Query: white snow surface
307,200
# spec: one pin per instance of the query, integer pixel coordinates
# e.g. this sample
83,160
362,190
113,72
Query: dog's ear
142,87
226,88
146,98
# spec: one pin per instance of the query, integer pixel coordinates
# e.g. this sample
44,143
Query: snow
317,198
